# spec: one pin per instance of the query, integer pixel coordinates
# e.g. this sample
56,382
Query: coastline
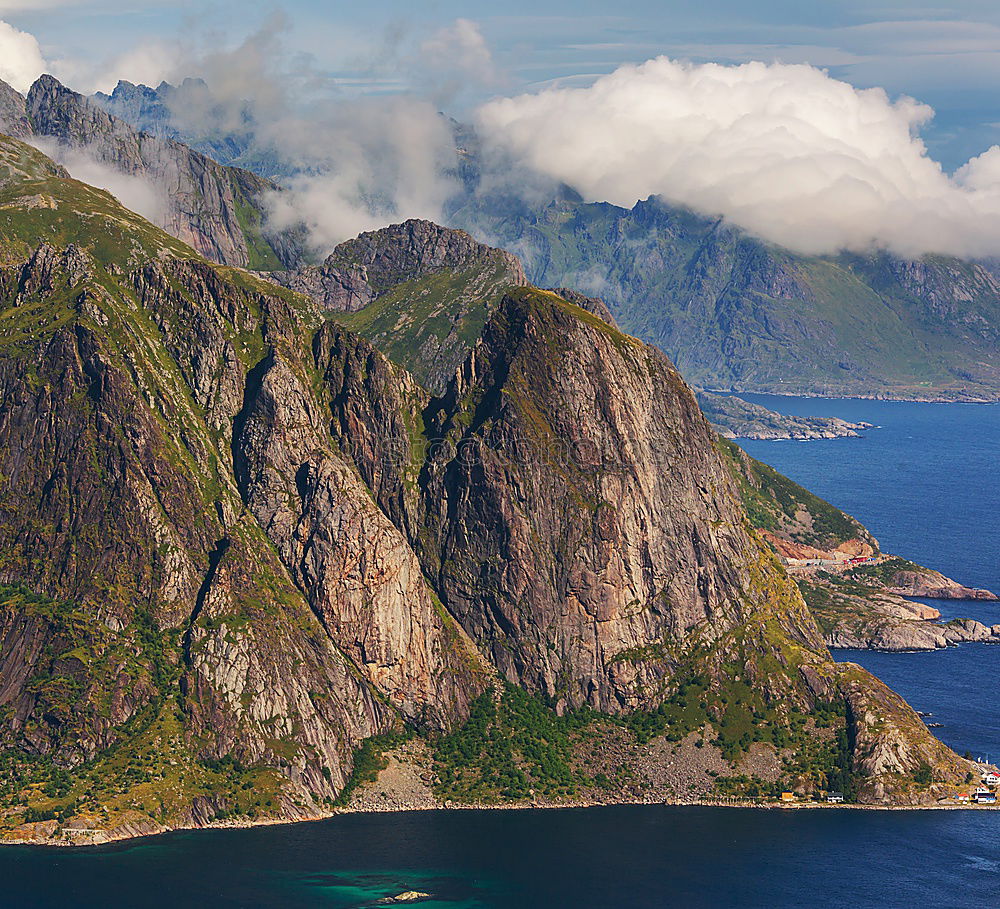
901,398
109,838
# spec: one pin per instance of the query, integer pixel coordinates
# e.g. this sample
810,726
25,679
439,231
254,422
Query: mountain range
733,312
264,533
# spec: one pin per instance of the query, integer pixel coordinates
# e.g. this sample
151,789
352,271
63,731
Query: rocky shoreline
901,397
735,418
405,784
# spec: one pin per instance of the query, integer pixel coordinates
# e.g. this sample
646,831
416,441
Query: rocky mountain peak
415,248
219,211
421,292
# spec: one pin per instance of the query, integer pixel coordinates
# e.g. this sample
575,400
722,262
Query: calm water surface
926,484
608,857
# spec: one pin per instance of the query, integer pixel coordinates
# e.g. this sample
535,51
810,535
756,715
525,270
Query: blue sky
947,55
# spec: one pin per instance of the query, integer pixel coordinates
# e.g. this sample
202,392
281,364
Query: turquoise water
926,483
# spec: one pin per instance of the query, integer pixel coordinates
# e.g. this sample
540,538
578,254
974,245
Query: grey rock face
563,514
414,249
359,573
334,289
13,113
422,293
217,210
358,271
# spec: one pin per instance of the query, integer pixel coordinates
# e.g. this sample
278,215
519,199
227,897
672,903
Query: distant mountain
190,114
736,313
13,113
219,211
733,312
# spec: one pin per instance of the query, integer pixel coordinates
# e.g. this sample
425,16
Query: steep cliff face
566,499
148,626
13,112
892,748
576,526
361,577
217,210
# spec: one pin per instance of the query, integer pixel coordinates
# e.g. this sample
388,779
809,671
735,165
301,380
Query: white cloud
21,60
360,161
784,151
365,163
455,61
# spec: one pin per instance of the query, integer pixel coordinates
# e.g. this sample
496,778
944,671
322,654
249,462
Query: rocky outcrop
735,418
359,271
895,759
360,576
334,289
842,553
415,249
861,615
925,582
219,211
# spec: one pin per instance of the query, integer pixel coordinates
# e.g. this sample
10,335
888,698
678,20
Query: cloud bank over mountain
785,151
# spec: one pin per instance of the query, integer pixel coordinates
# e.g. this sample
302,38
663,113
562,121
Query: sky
946,55
822,127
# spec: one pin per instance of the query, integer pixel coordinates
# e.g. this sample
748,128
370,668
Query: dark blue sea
926,483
